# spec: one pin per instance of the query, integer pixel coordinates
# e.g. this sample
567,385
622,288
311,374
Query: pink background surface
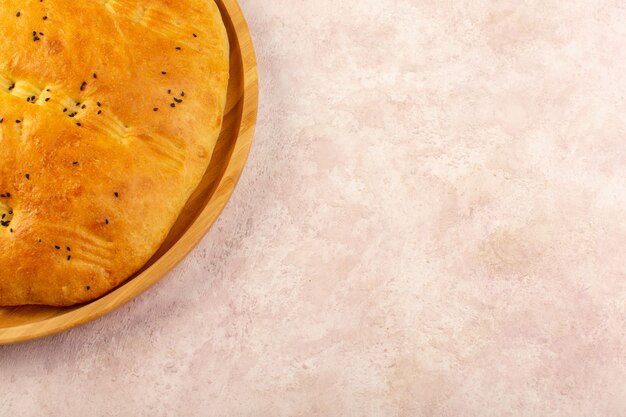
432,223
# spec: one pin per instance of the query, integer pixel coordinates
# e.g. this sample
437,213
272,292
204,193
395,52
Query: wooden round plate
18,324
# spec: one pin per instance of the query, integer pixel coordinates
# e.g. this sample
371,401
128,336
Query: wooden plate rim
207,217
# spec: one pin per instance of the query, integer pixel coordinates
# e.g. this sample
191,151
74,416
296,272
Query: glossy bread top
109,112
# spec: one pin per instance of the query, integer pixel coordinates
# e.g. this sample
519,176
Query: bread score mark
85,113
160,22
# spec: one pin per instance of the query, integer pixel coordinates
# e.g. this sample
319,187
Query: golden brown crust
89,191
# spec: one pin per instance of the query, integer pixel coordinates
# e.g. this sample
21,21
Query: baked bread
109,113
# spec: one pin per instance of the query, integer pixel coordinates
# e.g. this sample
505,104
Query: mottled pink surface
432,223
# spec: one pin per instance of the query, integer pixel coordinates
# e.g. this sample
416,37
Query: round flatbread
109,110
